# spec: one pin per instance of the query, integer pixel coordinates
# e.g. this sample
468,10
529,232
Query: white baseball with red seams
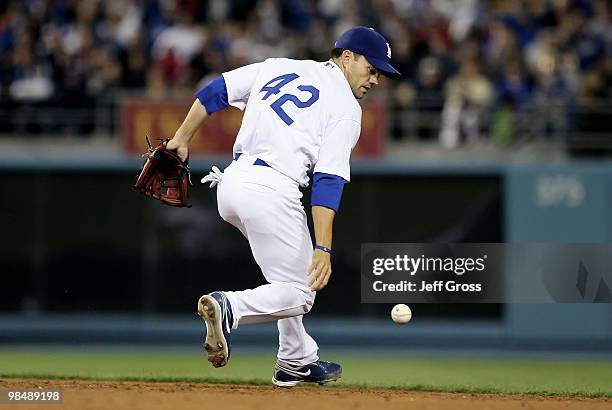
401,314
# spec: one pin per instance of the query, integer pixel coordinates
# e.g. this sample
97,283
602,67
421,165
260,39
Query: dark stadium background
498,132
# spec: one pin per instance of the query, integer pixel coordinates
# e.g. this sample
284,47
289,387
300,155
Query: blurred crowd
468,65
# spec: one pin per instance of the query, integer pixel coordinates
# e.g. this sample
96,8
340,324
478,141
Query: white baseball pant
265,206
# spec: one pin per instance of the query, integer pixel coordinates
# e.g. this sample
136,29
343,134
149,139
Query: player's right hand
181,149
319,270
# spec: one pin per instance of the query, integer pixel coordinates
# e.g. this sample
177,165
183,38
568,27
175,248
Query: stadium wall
75,246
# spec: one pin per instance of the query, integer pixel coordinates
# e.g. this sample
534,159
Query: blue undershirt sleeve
327,190
214,95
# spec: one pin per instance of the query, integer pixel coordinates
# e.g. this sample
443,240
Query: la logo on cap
369,43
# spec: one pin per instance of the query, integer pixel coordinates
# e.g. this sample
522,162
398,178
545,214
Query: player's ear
346,57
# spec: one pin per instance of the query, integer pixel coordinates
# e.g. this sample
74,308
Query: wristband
324,249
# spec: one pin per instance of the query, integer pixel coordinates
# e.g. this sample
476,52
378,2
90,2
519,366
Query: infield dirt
178,396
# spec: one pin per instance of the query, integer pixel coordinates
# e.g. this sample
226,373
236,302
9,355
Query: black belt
257,161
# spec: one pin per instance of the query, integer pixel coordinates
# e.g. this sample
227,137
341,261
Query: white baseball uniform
300,116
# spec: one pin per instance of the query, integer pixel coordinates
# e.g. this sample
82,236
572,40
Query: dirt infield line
118,395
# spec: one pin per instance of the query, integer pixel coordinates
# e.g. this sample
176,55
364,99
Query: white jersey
300,115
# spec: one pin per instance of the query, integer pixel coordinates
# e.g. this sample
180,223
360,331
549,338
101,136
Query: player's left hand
319,270
181,149
164,176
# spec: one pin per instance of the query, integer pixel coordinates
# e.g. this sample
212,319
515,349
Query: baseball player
300,116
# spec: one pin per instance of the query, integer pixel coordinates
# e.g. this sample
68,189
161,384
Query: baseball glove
164,176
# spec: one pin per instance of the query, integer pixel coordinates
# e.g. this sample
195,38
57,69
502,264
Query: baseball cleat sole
278,383
327,381
215,343
294,383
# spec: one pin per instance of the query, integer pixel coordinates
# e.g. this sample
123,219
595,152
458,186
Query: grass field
545,377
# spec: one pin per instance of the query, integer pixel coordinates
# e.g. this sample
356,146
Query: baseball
401,314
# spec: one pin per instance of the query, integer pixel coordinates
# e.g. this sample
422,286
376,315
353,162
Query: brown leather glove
164,176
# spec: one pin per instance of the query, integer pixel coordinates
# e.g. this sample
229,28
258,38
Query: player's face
361,75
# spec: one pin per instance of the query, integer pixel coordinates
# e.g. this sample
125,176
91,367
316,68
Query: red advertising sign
161,118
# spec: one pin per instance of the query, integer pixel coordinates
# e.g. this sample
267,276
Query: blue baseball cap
372,45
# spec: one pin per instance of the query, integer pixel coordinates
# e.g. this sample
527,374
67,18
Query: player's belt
257,161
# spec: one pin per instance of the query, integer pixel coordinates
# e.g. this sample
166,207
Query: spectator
467,95
499,47
134,63
66,53
31,80
513,92
179,42
554,94
122,23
